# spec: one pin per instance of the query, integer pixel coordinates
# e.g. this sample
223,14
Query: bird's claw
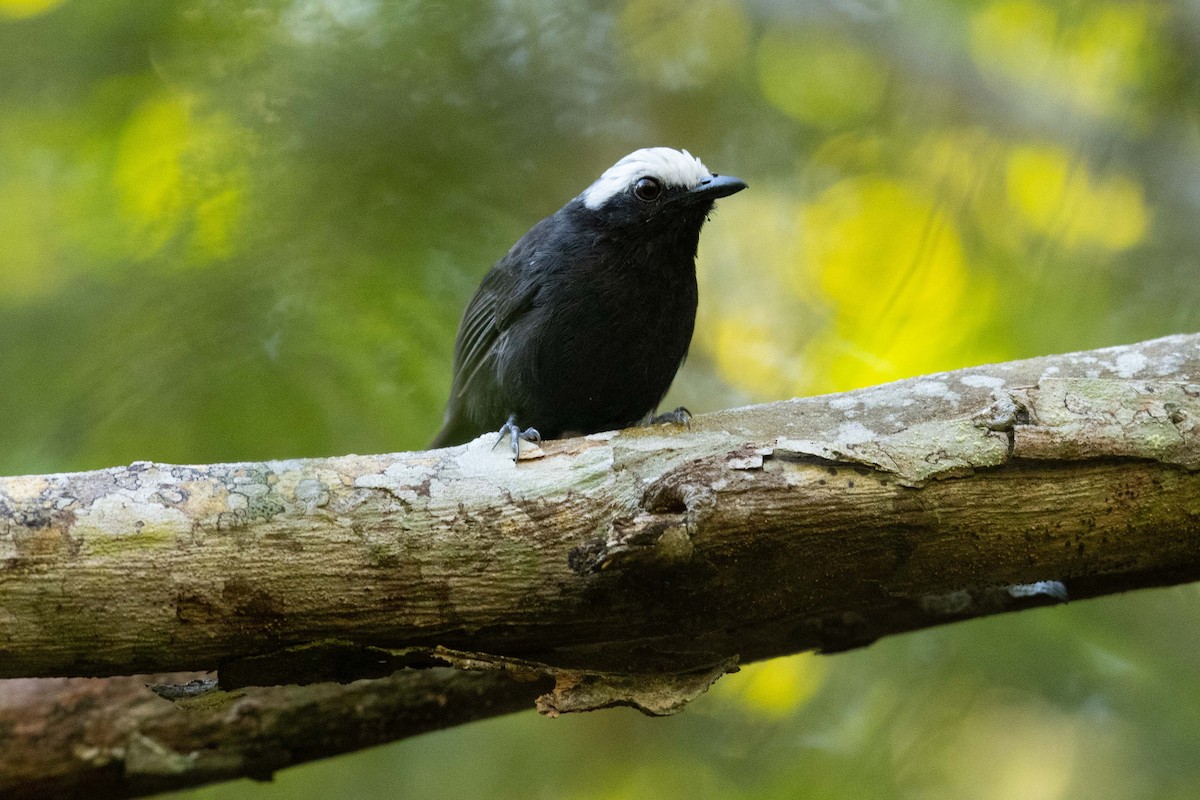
512,430
680,416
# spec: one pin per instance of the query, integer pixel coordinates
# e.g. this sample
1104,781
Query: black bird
583,324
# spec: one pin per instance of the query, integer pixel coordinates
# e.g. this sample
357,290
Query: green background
246,230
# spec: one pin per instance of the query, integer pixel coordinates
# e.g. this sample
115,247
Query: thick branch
818,523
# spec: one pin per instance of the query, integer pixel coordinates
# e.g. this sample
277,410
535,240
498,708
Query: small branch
113,737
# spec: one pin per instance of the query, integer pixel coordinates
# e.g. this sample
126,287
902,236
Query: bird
582,325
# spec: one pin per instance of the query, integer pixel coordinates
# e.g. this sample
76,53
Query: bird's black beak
713,187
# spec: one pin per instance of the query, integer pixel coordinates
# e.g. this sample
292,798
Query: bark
633,568
114,737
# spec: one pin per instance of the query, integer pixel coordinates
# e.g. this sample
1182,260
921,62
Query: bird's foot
512,430
680,416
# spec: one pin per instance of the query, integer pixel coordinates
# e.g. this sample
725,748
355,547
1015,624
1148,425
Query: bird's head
657,187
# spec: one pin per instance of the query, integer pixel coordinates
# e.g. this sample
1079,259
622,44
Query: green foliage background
234,231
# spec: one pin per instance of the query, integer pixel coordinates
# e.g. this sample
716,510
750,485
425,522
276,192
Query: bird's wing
507,292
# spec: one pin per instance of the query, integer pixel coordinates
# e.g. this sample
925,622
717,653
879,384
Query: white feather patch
674,168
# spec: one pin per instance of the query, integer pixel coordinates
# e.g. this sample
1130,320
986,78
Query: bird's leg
680,416
514,432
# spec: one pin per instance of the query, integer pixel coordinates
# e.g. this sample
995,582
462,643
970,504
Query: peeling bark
632,568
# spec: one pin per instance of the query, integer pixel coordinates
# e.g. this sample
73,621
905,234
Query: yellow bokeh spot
20,9
751,355
865,283
679,44
1057,197
819,78
149,173
176,177
775,688
751,324
882,234
890,262
1095,61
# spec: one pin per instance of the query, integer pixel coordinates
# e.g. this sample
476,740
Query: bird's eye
647,189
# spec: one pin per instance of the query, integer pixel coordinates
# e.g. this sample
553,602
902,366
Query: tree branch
632,567
113,737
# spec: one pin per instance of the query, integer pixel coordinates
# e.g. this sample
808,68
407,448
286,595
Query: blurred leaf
1058,197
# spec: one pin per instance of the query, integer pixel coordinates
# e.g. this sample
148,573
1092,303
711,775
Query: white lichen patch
982,381
1130,364
482,468
307,485
1169,364
25,488
852,433
935,389
484,456
407,478
413,470
130,513
844,402
889,395
1052,589
751,460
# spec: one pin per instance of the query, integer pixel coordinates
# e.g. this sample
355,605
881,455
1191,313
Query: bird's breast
603,345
